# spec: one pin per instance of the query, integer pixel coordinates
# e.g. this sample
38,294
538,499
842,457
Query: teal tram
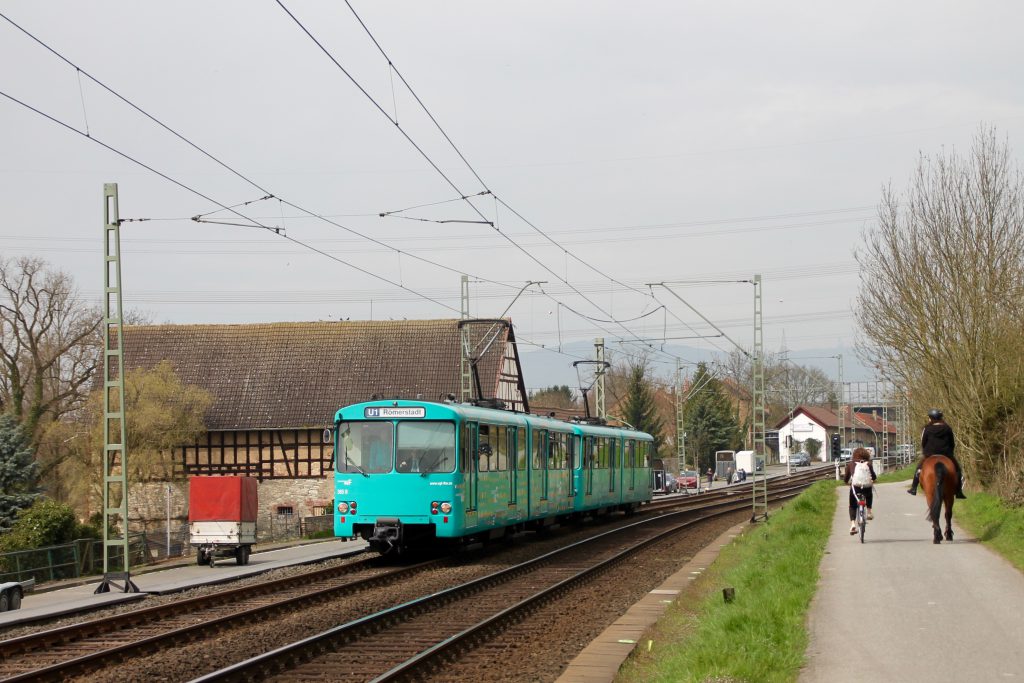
415,473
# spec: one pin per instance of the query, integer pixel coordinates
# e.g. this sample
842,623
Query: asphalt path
900,608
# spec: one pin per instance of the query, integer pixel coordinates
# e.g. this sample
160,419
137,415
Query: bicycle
862,512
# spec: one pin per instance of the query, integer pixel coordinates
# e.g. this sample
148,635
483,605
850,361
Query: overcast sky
655,141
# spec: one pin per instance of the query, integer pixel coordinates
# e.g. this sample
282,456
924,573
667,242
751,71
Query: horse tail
936,506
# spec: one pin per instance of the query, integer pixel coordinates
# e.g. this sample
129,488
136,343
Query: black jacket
937,439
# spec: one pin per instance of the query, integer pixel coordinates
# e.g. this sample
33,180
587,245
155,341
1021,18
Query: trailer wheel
15,599
201,557
212,558
4,602
242,555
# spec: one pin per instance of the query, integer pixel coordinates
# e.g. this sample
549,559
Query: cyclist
860,474
937,439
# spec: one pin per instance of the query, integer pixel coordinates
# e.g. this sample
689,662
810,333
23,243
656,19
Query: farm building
814,422
277,386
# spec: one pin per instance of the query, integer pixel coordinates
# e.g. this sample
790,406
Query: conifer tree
639,408
18,472
709,419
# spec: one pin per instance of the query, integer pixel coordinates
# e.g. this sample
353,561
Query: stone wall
282,503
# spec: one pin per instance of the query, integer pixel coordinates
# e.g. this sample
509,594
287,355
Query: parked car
845,454
800,459
687,479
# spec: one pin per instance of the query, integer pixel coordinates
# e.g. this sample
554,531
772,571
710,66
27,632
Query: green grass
904,473
996,524
761,636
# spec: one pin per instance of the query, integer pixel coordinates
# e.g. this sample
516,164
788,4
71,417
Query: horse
938,481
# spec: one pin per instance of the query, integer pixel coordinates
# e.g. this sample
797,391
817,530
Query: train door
588,464
510,448
613,458
470,449
630,472
539,472
522,479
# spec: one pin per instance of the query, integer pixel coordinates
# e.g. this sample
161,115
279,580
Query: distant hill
544,368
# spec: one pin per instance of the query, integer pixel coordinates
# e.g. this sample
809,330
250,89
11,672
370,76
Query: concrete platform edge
601,660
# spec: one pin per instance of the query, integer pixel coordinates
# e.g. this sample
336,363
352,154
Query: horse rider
937,439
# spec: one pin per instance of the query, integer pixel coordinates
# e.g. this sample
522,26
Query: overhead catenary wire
477,175
183,186
434,165
220,162
268,192
256,224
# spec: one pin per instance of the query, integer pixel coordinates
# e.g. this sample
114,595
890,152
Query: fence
84,557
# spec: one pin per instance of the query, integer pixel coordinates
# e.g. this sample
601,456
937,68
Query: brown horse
938,481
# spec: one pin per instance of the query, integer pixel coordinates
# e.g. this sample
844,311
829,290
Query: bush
46,523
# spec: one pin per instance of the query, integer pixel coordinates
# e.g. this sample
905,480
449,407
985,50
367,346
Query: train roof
394,409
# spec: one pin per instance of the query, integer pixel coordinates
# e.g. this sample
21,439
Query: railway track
95,645
87,646
410,641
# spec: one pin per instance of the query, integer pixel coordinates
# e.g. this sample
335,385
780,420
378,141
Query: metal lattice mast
465,368
680,424
841,409
760,487
115,443
599,398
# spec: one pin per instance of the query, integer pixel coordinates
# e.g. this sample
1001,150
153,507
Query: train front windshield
426,447
369,447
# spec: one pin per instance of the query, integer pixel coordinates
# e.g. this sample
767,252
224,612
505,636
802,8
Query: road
900,608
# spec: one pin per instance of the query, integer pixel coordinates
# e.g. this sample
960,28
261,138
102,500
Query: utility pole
465,369
680,424
760,489
599,396
841,414
115,442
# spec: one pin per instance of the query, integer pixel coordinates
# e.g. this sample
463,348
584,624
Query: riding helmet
934,414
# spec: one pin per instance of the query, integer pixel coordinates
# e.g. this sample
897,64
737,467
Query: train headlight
342,507
446,507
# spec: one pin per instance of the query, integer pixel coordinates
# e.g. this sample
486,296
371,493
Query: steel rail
275,662
77,635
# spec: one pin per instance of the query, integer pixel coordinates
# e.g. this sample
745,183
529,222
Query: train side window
613,456
485,450
574,447
588,452
557,451
631,453
540,448
500,449
468,446
521,448
601,457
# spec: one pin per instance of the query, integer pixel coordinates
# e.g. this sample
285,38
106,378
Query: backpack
861,474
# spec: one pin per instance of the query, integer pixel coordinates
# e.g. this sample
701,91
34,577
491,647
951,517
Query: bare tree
942,304
49,344
162,414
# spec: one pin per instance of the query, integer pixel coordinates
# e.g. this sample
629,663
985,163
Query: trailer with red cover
222,517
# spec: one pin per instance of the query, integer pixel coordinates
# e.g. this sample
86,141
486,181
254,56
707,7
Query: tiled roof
828,419
294,375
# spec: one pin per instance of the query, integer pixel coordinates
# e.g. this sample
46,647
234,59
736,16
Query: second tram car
417,472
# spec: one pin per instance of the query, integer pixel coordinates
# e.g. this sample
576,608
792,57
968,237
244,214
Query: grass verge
902,474
994,523
761,635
